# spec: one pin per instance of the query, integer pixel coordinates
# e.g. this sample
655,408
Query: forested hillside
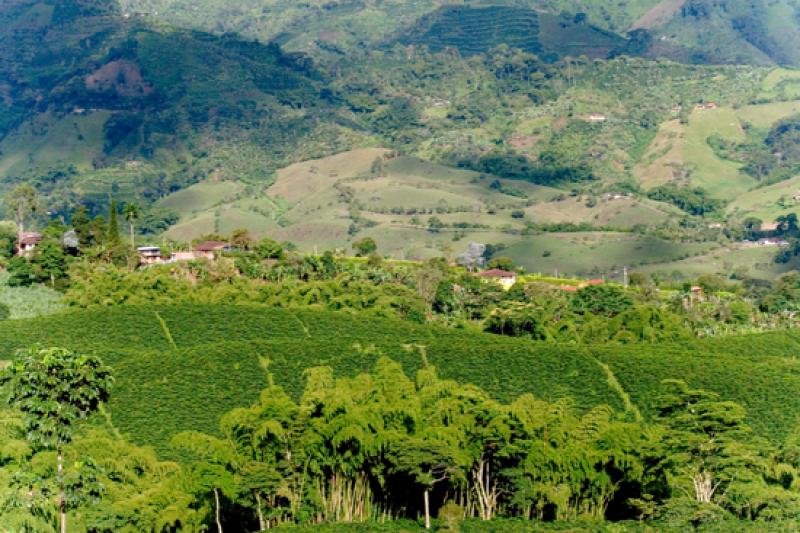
730,31
139,111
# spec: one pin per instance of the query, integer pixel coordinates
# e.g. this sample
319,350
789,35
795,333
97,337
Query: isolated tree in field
131,214
54,389
365,246
21,202
787,224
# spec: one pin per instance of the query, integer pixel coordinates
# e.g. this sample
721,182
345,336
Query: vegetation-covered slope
733,31
182,367
116,105
477,30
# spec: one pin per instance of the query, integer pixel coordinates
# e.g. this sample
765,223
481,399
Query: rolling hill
210,132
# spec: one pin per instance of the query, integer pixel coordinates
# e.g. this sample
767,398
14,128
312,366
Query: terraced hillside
182,367
474,30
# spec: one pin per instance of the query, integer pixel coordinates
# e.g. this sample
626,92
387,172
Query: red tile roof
211,246
30,237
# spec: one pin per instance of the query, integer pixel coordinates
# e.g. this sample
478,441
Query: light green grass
768,203
596,252
29,302
193,228
757,262
722,179
52,141
765,115
200,197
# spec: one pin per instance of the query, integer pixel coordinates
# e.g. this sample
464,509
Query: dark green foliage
694,201
475,30
54,388
365,246
784,296
501,262
112,236
601,300
228,340
550,170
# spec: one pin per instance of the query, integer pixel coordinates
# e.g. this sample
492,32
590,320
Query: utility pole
625,277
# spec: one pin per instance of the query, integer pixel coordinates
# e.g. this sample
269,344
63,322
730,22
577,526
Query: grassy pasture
595,252
216,362
720,178
200,196
781,83
620,213
53,140
765,115
756,260
767,203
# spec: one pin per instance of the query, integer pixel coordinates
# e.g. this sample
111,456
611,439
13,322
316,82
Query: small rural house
28,241
503,277
597,117
209,249
149,255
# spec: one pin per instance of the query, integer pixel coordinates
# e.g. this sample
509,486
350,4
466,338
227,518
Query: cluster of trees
769,155
694,201
594,314
382,446
551,169
97,239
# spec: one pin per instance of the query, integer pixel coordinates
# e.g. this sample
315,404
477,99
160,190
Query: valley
399,265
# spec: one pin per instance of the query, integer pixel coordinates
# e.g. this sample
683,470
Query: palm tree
131,213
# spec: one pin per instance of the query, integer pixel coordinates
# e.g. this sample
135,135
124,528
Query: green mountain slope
477,30
732,31
103,104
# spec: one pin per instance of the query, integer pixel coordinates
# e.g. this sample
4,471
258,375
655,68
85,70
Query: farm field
754,260
596,253
768,203
312,204
200,197
186,369
681,153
